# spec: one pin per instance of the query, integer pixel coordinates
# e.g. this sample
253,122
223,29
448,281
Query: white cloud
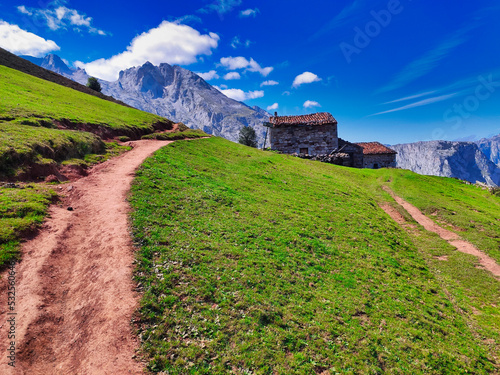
273,107
311,104
236,42
57,16
306,77
209,75
21,42
232,75
24,10
286,93
249,12
240,62
269,83
241,95
170,43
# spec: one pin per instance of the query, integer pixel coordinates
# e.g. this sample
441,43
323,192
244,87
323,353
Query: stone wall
317,139
354,151
376,161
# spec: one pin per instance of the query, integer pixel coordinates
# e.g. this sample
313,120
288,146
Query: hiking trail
74,291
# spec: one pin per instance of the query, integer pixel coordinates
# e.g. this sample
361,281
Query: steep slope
463,160
30,100
14,62
176,93
51,62
30,110
491,148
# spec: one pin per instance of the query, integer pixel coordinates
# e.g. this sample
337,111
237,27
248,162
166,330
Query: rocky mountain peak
463,160
178,94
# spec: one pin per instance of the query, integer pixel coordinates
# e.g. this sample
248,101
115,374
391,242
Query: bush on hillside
94,84
248,137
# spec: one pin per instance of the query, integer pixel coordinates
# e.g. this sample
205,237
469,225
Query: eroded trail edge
74,291
453,239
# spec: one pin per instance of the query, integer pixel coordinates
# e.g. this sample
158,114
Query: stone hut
376,155
312,134
354,151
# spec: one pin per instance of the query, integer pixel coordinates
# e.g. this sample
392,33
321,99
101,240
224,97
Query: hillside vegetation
258,263
15,62
22,210
29,100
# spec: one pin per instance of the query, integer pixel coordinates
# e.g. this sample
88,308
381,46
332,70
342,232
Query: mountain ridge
176,93
463,160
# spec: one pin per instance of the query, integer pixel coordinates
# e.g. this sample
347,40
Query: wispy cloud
269,83
426,63
57,16
431,59
466,86
237,42
220,6
240,95
240,62
420,103
249,12
411,97
350,13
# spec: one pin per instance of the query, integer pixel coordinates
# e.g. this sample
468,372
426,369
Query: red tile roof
372,148
309,120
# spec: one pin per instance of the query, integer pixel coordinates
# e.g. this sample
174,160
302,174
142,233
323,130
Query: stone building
315,137
376,155
312,134
354,151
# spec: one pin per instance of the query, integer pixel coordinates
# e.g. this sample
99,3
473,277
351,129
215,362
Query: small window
304,150
375,166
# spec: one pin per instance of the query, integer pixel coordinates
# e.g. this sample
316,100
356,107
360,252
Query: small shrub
248,137
94,84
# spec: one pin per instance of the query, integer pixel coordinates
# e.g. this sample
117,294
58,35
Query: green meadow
257,263
29,100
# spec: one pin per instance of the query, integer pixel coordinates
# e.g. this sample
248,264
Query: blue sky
393,71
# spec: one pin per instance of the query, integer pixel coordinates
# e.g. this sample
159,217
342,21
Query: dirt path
74,292
453,239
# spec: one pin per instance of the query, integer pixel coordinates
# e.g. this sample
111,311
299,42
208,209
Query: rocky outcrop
463,160
491,148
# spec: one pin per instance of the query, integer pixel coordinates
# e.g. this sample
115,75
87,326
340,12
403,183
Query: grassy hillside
253,262
22,210
30,100
15,62
471,212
